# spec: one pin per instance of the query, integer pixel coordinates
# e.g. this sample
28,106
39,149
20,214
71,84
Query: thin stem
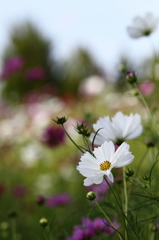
13,229
72,139
126,200
117,200
147,107
46,234
140,163
112,225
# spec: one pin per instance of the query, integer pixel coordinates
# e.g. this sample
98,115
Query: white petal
110,177
98,139
97,179
88,182
134,33
136,133
122,156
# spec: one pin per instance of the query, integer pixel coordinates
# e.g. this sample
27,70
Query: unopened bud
43,222
134,92
91,196
12,214
145,178
131,77
60,120
150,143
129,172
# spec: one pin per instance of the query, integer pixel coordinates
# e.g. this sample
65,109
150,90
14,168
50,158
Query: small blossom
11,66
143,26
146,88
36,73
19,191
53,136
104,158
92,228
121,127
58,200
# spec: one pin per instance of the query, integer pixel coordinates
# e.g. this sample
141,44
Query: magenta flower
58,200
146,88
36,73
89,229
11,66
53,136
2,189
19,191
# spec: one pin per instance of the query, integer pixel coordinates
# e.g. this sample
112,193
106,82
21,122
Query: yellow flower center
105,165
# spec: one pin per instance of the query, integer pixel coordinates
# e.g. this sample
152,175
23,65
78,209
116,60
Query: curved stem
72,139
126,200
112,225
147,107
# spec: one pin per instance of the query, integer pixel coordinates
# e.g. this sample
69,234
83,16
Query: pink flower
146,88
36,73
53,136
19,191
58,200
11,66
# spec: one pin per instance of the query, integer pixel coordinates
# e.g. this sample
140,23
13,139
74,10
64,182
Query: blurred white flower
94,168
143,26
31,153
92,86
121,128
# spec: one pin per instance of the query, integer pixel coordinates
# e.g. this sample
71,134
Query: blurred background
60,58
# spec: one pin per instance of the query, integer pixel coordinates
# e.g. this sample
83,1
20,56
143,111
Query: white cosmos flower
94,168
143,26
120,128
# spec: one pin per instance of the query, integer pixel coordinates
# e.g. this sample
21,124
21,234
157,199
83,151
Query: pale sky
99,25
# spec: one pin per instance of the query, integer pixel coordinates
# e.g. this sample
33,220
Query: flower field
80,165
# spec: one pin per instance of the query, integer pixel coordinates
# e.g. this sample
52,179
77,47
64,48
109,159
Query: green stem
140,163
147,107
126,201
112,225
47,236
13,229
72,139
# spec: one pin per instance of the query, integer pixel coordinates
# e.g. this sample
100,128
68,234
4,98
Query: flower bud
145,178
150,143
83,130
131,77
60,120
135,92
154,228
43,222
129,172
40,200
91,196
12,214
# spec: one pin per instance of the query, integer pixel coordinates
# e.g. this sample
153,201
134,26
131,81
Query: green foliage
78,67
28,43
